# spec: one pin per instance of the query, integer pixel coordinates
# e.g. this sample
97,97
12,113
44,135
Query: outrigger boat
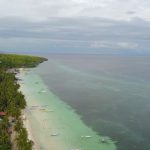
86,136
54,134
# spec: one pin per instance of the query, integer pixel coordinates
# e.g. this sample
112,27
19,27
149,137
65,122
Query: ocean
110,93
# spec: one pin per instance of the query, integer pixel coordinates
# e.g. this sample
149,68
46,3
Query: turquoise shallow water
54,124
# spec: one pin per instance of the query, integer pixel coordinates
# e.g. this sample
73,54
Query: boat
54,134
44,106
35,106
86,136
103,140
42,109
42,91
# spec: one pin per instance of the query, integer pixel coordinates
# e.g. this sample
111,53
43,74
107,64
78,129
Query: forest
12,101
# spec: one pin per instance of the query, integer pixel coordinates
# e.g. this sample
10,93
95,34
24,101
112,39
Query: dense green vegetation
17,61
22,140
5,143
12,101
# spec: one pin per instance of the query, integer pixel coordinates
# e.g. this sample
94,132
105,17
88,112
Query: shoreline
24,114
54,128
27,125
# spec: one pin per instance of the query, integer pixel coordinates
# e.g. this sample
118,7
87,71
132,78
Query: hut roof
2,113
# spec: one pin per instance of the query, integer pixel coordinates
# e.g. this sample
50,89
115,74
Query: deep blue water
110,93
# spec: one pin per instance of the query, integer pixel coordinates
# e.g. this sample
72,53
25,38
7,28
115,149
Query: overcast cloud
89,26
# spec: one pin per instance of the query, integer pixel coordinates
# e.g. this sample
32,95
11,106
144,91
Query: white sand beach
27,125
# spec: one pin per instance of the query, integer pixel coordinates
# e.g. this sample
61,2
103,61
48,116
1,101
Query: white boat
42,91
54,134
86,136
104,140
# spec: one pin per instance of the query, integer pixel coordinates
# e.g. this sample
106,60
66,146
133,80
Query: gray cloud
63,33
37,10
75,25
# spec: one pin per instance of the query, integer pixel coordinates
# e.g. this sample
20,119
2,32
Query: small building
2,114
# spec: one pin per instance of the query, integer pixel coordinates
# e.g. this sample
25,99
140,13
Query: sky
75,26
